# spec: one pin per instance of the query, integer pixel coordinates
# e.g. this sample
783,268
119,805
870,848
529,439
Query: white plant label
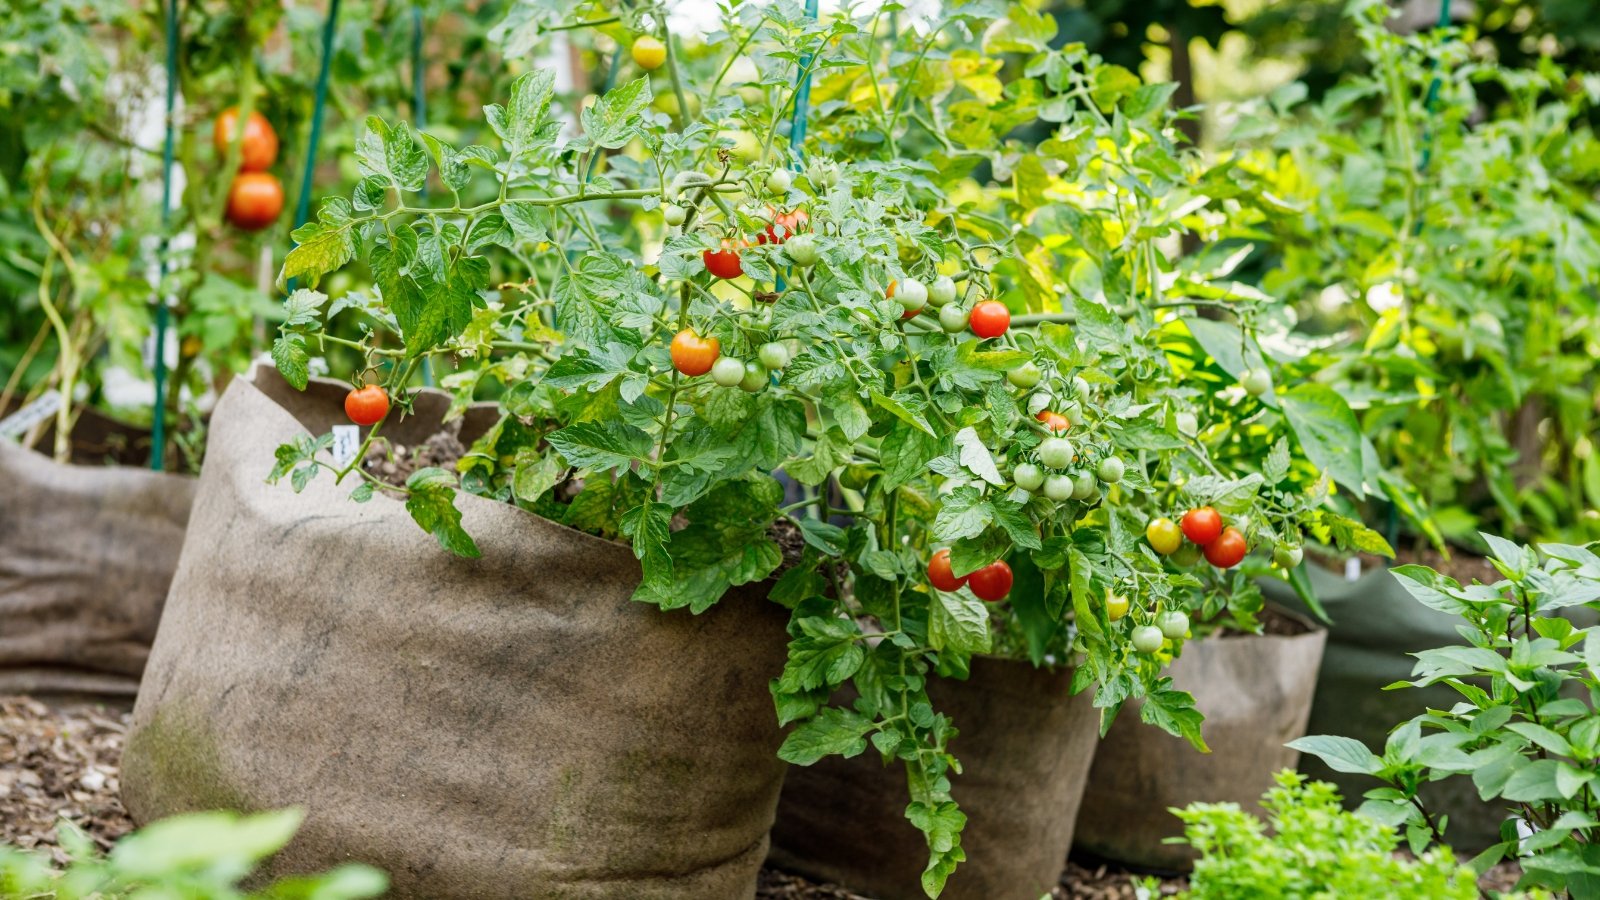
346,441
18,423
1352,569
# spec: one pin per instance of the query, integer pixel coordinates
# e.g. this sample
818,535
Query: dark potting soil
394,463
64,761
1464,567
1273,622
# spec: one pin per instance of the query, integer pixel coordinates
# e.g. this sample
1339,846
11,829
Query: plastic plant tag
346,441
1352,569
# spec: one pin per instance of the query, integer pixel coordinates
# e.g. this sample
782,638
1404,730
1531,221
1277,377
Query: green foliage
202,856
1526,731
1453,263
903,436
1314,849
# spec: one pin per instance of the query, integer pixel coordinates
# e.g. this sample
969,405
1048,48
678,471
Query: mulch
62,762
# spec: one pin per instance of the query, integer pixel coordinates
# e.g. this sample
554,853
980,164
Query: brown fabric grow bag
86,555
1025,745
1255,692
512,726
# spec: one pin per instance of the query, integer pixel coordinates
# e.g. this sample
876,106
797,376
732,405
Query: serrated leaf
611,120
289,354
431,502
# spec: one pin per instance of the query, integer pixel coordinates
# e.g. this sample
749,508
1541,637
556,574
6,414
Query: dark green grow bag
1376,626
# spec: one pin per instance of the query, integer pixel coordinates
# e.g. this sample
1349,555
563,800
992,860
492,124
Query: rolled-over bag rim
41,456
464,499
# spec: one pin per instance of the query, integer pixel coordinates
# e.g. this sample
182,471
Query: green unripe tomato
755,377
1186,555
1058,488
1188,425
855,477
1073,412
822,174
1028,476
773,355
1080,386
802,248
942,292
1256,381
727,371
1083,487
953,319
1056,452
1110,470
1287,557
1147,639
1173,624
673,213
911,294
780,181
1024,376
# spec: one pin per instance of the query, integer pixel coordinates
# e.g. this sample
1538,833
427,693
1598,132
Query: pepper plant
985,390
1525,730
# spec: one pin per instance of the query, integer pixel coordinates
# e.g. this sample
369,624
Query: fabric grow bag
86,555
1376,626
513,726
1025,745
1255,692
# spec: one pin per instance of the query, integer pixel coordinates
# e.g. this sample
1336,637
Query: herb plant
200,855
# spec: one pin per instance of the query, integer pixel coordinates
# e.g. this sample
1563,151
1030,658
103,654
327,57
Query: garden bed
64,760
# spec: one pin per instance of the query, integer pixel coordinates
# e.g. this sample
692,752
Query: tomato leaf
289,354
1327,431
611,120
832,732
431,502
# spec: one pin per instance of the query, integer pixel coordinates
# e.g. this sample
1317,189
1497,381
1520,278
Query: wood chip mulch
59,763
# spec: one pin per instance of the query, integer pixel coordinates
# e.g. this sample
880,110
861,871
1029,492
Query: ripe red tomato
259,146
724,263
1227,550
1202,525
366,405
791,223
693,354
990,319
940,574
255,200
1054,421
992,582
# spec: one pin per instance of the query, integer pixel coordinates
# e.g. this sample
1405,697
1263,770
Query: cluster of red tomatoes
1223,547
990,584
256,198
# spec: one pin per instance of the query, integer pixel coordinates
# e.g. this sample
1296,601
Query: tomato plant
1013,452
